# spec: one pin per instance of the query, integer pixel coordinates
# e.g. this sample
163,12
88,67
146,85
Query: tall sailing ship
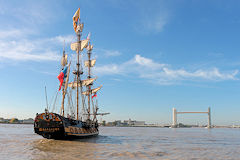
81,119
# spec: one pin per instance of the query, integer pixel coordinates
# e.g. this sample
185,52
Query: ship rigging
74,123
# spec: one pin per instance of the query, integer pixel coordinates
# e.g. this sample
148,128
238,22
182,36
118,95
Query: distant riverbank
17,121
147,126
14,123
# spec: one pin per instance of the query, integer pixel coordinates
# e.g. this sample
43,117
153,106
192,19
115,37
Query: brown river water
19,142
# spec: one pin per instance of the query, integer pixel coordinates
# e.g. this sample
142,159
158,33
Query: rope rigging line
54,104
51,101
70,104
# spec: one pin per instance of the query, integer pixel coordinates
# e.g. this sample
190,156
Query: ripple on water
19,142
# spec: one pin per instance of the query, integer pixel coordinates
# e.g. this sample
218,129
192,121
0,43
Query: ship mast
64,90
89,76
78,67
78,47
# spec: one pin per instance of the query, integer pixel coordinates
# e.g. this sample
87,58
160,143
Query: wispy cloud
136,65
15,45
109,69
108,52
155,23
154,18
21,25
146,62
10,33
163,74
27,14
67,39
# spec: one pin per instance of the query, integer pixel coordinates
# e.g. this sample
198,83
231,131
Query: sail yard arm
93,91
85,82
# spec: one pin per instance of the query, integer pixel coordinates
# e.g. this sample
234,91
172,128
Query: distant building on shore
15,120
125,123
29,121
1,119
134,122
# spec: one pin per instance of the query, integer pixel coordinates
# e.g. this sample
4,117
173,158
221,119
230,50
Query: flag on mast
88,37
95,95
61,77
76,16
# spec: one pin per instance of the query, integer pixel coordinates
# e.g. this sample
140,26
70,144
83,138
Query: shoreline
14,123
145,126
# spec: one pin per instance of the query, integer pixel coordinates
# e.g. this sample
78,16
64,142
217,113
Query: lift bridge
174,124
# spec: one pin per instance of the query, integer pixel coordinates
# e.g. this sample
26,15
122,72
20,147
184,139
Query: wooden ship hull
55,126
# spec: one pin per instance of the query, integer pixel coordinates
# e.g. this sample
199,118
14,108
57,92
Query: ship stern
49,125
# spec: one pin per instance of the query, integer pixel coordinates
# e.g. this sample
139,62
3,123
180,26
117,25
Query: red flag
61,77
95,95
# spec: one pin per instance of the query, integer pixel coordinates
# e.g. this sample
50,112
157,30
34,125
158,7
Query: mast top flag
76,17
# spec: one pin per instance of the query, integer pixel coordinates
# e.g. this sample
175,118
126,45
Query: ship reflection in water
19,142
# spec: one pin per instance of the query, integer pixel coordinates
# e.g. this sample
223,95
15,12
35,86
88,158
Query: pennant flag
76,16
61,77
88,37
95,95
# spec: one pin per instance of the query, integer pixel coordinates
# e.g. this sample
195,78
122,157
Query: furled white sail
93,91
75,45
84,83
96,89
64,60
88,81
92,62
84,44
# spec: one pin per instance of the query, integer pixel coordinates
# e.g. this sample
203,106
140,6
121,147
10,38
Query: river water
18,141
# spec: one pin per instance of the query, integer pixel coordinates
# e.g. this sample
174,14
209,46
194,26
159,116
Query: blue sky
151,56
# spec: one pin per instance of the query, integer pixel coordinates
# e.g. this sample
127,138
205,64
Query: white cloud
10,33
155,23
20,56
109,69
21,25
162,73
67,39
18,46
145,62
28,14
108,52
154,18
211,74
